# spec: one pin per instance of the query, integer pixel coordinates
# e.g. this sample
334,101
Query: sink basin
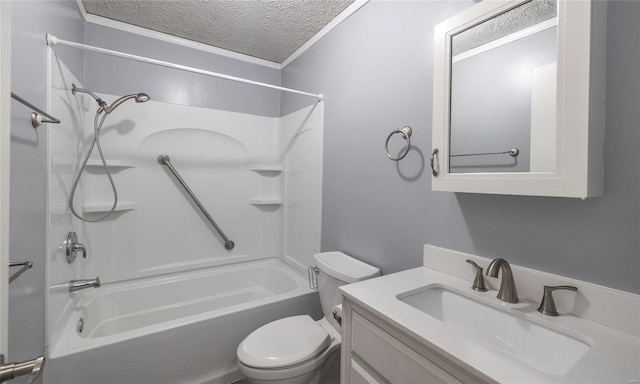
540,347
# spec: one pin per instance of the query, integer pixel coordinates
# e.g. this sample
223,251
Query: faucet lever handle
78,247
478,282
548,305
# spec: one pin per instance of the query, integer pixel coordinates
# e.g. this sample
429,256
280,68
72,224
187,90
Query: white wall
302,134
66,144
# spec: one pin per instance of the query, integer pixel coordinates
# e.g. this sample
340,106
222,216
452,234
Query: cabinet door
359,375
392,359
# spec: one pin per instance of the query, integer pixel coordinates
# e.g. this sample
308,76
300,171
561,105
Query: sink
538,346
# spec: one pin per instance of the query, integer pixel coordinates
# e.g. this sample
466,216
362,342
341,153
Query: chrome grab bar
24,264
165,160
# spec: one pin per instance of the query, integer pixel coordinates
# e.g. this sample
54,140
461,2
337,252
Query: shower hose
97,126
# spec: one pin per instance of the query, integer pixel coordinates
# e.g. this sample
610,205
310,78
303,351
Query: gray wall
375,70
491,104
31,20
117,76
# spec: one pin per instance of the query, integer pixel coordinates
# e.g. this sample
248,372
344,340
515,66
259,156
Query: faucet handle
478,282
548,305
77,247
73,247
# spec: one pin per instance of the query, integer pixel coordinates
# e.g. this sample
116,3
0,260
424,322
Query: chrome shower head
142,97
139,98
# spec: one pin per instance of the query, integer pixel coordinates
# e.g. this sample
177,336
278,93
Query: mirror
518,102
503,86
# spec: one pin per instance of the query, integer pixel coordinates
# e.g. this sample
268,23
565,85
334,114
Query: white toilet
297,349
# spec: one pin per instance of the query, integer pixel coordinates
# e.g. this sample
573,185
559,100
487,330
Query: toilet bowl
297,349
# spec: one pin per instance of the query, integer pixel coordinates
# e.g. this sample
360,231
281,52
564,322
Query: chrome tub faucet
76,285
507,291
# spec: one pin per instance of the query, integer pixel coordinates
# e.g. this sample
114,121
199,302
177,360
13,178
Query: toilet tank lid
344,267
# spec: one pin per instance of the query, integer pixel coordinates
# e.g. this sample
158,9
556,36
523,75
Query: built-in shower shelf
274,168
106,207
265,201
93,163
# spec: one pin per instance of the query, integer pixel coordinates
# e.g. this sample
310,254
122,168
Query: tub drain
80,326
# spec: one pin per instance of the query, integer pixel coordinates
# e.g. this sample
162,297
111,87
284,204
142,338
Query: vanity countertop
613,357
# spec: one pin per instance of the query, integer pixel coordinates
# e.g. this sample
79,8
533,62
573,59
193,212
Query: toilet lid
283,343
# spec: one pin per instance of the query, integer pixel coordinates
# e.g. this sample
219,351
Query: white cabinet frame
580,106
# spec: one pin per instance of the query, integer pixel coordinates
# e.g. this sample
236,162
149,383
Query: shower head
139,98
142,97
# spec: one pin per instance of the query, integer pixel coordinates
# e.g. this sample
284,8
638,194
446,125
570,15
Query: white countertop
614,356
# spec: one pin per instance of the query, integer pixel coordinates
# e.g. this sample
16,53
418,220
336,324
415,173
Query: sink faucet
507,291
76,285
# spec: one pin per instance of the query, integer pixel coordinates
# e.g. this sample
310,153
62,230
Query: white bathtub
178,328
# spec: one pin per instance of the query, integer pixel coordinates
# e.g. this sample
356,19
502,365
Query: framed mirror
519,99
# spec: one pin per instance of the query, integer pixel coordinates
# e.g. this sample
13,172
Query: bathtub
177,328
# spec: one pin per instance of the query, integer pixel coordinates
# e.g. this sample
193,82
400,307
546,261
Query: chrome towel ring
406,133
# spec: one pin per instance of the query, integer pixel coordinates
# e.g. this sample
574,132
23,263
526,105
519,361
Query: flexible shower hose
97,127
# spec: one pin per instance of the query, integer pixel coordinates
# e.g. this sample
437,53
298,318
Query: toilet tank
336,269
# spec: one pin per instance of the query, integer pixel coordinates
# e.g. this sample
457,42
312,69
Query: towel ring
406,133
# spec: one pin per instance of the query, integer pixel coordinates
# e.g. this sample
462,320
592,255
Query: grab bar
24,264
165,160
36,118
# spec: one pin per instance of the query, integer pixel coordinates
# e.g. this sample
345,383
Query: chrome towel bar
24,264
165,160
513,152
36,117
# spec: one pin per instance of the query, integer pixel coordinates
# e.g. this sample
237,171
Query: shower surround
159,260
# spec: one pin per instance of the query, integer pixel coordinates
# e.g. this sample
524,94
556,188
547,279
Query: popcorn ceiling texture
512,21
268,29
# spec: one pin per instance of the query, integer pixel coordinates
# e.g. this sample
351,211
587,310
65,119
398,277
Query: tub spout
76,285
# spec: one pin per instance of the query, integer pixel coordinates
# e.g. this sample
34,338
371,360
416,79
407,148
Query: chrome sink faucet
507,291
76,285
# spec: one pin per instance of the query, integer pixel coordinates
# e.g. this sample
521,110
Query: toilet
297,349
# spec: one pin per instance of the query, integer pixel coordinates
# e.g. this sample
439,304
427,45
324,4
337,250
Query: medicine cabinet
518,104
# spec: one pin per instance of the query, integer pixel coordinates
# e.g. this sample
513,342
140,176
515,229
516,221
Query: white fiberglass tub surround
177,328
174,303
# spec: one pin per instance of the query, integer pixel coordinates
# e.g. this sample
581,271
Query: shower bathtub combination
180,328
175,296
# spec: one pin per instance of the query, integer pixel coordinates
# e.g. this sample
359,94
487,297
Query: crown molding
110,23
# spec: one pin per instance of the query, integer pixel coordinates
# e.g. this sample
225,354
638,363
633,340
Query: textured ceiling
514,20
268,29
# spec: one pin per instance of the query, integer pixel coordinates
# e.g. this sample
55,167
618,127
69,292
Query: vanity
426,325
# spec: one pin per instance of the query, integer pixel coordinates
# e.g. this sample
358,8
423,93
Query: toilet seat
284,343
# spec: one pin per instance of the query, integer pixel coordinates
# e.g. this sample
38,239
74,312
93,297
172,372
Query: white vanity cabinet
375,352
